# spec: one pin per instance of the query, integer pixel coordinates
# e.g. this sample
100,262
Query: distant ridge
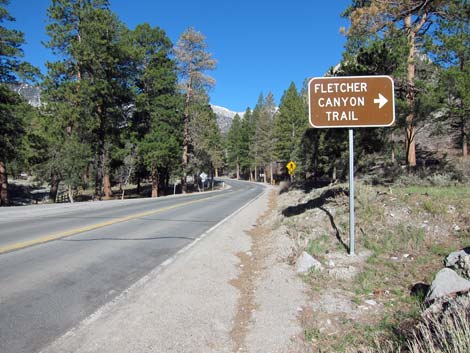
224,117
32,95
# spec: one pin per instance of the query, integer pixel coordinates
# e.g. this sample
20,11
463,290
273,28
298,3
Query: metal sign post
351,192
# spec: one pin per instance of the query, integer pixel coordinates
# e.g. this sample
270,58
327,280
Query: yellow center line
67,233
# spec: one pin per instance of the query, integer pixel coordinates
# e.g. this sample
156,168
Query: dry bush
447,332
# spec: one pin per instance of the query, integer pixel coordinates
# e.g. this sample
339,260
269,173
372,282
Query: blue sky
260,45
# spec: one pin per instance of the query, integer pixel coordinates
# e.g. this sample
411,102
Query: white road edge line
153,273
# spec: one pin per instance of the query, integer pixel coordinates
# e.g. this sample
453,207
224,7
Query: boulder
306,263
452,259
447,282
464,266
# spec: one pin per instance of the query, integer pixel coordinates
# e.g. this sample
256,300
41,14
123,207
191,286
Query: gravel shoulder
228,292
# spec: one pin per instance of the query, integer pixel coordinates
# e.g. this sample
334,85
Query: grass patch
318,247
390,222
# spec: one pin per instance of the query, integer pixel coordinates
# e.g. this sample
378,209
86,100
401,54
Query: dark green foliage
236,142
290,126
207,151
88,90
12,68
156,124
11,123
449,45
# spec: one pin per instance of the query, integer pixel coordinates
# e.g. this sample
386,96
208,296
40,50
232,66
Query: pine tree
193,62
88,88
155,122
378,19
264,132
249,131
12,68
235,142
450,44
290,126
207,151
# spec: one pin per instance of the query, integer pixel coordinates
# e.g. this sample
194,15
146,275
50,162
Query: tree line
116,104
423,45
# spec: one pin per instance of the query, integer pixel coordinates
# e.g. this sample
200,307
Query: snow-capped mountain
30,93
224,117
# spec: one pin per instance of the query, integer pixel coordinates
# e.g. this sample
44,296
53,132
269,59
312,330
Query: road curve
60,263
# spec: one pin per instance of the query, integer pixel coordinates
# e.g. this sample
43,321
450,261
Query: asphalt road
60,263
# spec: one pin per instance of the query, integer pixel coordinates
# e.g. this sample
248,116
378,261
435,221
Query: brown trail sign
351,102
356,101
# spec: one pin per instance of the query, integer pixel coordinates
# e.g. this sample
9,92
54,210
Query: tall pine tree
89,86
193,62
290,126
12,68
156,124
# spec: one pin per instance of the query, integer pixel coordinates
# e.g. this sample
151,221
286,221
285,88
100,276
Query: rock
452,259
464,266
306,263
441,306
445,283
370,302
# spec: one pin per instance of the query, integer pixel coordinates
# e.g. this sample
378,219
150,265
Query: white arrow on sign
381,101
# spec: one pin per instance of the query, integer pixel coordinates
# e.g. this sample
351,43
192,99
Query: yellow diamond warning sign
291,167
356,101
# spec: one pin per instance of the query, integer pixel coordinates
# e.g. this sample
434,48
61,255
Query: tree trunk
55,181
100,155
186,137
265,178
272,174
184,185
139,187
256,174
410,142
108,193
154,177
216,171
3,185
238,169
70,193
464,142
99,172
